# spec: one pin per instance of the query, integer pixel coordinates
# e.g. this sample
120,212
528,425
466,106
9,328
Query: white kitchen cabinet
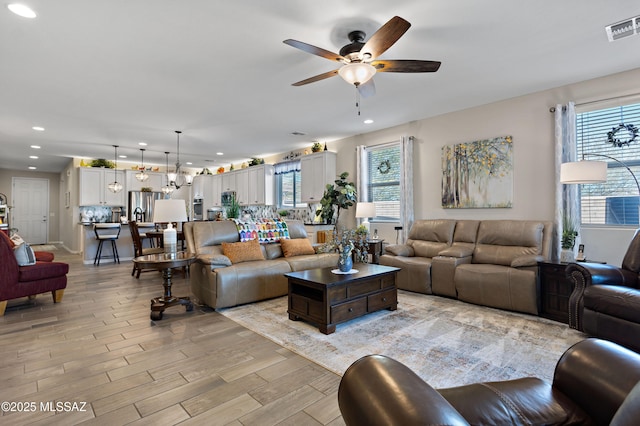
93,187
316,171
261,185
156,181
242,187
228,181
216,190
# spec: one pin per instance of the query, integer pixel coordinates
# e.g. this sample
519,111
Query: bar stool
106,232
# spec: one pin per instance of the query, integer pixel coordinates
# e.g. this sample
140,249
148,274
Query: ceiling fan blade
367,89
384,38
316,78
315,50
406,65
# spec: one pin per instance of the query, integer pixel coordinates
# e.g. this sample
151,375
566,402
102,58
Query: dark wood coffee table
166,262
326,299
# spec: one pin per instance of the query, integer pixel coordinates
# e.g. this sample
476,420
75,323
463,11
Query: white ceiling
104,72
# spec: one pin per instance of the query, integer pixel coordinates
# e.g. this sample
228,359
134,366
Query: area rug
445,341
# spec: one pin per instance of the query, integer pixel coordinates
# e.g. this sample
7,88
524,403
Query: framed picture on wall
478,174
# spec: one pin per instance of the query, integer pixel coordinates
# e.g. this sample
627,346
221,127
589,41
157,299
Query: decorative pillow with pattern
264,230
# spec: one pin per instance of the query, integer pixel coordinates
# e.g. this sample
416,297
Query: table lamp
366,210
169,211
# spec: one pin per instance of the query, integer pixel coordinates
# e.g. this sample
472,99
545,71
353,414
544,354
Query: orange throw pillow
296,247
243,251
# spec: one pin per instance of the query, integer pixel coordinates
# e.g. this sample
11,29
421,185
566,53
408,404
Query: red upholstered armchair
22,281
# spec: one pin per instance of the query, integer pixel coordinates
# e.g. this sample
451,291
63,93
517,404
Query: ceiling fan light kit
359,57
357,73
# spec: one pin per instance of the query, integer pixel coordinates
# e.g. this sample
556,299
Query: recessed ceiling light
34,157
35,146
189,163
368,121
122,156
38,128
142,143
21,10
219,153
32,167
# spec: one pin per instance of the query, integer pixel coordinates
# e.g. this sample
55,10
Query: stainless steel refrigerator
140,207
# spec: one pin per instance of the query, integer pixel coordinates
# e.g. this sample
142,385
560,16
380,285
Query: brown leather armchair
595,382
22,281
605,301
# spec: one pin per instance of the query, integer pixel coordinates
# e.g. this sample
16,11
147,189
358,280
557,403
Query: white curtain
363,177
406,187
567,196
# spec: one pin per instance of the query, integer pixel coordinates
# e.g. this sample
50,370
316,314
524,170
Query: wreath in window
384,167
631,135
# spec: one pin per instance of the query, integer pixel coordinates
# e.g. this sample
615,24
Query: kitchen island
89,244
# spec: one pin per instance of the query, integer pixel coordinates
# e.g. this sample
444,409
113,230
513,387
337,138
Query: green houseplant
233,209
337,196
568,239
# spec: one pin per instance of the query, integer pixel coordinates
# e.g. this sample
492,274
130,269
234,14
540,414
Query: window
383,180
288,184
599,132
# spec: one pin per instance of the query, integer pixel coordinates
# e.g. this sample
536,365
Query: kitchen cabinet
228,181
156,181
216,191
316,171
261,185
242,187
93,187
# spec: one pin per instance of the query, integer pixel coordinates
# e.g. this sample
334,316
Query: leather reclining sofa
490,262
218,283
605,301
595,382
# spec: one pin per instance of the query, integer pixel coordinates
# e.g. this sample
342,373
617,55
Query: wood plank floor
97,358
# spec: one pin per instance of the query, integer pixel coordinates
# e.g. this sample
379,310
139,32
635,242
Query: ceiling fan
359,58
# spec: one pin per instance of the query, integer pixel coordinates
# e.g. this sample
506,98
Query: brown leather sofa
490,262
595,382
605,301
218,283
22,281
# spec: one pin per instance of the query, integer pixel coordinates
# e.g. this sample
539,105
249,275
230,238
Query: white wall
528,120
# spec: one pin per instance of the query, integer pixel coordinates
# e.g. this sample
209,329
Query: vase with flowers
350,246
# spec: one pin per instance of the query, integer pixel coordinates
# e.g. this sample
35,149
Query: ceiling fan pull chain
358,100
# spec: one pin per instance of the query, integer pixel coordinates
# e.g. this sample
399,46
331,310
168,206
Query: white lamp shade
166,211
356,73
583,172
172,177
365,210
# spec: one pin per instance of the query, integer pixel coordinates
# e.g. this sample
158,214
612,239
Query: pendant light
168,189
115,186
178,178
141,175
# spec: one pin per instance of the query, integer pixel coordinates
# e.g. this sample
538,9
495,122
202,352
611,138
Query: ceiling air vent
623,29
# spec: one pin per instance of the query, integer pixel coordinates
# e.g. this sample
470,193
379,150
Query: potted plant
233,209
337,196
101,162
568,239
316,147
283,213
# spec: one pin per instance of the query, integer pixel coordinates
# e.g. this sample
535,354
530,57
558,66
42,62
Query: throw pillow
24,255
243,251
16,240
296,247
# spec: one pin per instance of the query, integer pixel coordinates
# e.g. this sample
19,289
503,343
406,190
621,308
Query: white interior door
30,213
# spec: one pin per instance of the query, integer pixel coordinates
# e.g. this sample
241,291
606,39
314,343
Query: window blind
383,188
610,132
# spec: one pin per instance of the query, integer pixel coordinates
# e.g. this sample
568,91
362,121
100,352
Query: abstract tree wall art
478,174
